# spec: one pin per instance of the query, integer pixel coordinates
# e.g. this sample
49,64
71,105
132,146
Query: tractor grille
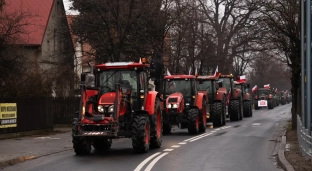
173,100
108,127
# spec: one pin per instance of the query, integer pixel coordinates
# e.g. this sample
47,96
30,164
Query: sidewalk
25,148
20,149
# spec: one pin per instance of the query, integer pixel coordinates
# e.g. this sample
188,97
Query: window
182,86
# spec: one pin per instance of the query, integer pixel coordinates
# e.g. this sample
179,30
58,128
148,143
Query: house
44,39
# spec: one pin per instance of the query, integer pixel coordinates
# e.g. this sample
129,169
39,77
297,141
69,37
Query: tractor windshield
108,80
205,85
263,93
226,82
182,86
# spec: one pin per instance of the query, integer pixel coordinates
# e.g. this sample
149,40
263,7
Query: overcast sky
67,5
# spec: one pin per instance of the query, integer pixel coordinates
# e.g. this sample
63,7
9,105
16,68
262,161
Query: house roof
39,13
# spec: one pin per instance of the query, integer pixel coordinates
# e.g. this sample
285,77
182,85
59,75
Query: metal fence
304,139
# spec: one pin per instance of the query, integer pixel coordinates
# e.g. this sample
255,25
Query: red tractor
234,97
247,104
217,99
184,106
116,103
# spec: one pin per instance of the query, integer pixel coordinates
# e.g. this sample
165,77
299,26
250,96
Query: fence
40,113
304,139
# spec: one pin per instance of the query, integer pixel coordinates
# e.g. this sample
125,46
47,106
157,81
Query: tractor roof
239,82
208,77
176,77
121,65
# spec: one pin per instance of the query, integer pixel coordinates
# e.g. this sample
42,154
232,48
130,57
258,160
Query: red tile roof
40,13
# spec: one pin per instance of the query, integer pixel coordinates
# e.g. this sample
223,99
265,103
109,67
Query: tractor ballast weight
115,103
234,97
247,104
184,106
217,99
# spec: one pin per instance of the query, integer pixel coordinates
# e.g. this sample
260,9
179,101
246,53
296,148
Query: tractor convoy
116,102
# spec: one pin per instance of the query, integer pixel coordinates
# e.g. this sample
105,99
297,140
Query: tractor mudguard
150,101
247,96
199,100
236,93
222,90
219,96
205,94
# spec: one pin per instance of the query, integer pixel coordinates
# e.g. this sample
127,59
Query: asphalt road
247,145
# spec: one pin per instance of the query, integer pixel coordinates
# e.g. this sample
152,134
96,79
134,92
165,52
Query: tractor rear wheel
203,121
82,145
141,134
156,127
217,114
256,105
270,104
193,121
234,110
102,144
247,107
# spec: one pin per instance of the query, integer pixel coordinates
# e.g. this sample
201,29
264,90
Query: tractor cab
209,85
183,84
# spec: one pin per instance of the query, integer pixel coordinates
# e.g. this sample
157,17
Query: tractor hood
174,98
107,98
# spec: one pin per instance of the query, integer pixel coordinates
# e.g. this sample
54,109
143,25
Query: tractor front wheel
81,145
141,134
193,121
203,114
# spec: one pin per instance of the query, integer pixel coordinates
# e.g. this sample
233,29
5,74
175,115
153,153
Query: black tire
224,114
193,121
202,118
241,108
102,144
270,104
256,105
247,107
216,114
140,134
81,145
234,110
156,127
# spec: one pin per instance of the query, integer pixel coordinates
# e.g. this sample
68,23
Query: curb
21,159
281,155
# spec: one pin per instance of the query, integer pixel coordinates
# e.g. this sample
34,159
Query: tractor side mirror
248,85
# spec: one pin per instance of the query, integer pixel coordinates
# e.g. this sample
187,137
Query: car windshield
205,85
108,80
182,86
226,82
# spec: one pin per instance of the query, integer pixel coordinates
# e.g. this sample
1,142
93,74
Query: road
247,145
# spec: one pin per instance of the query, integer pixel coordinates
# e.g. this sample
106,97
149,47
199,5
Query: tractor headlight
169,105
100,108
175,105
111,108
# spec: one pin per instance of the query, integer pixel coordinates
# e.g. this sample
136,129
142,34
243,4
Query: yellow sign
8,115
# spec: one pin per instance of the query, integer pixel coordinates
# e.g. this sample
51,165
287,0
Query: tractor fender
205,94
219,96
222,90
199,100
236,93
247,96
150,101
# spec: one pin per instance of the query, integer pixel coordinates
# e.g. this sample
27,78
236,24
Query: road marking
217,129
150,166
168,149
182,143
200,137
255,124
42,138
175,146
213,131
139,167
196,136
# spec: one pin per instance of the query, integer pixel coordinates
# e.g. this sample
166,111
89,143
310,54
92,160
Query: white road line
182,143
213,131
150,166
139,167
217,129
167,149
196,136
200,137
255,124
175,146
